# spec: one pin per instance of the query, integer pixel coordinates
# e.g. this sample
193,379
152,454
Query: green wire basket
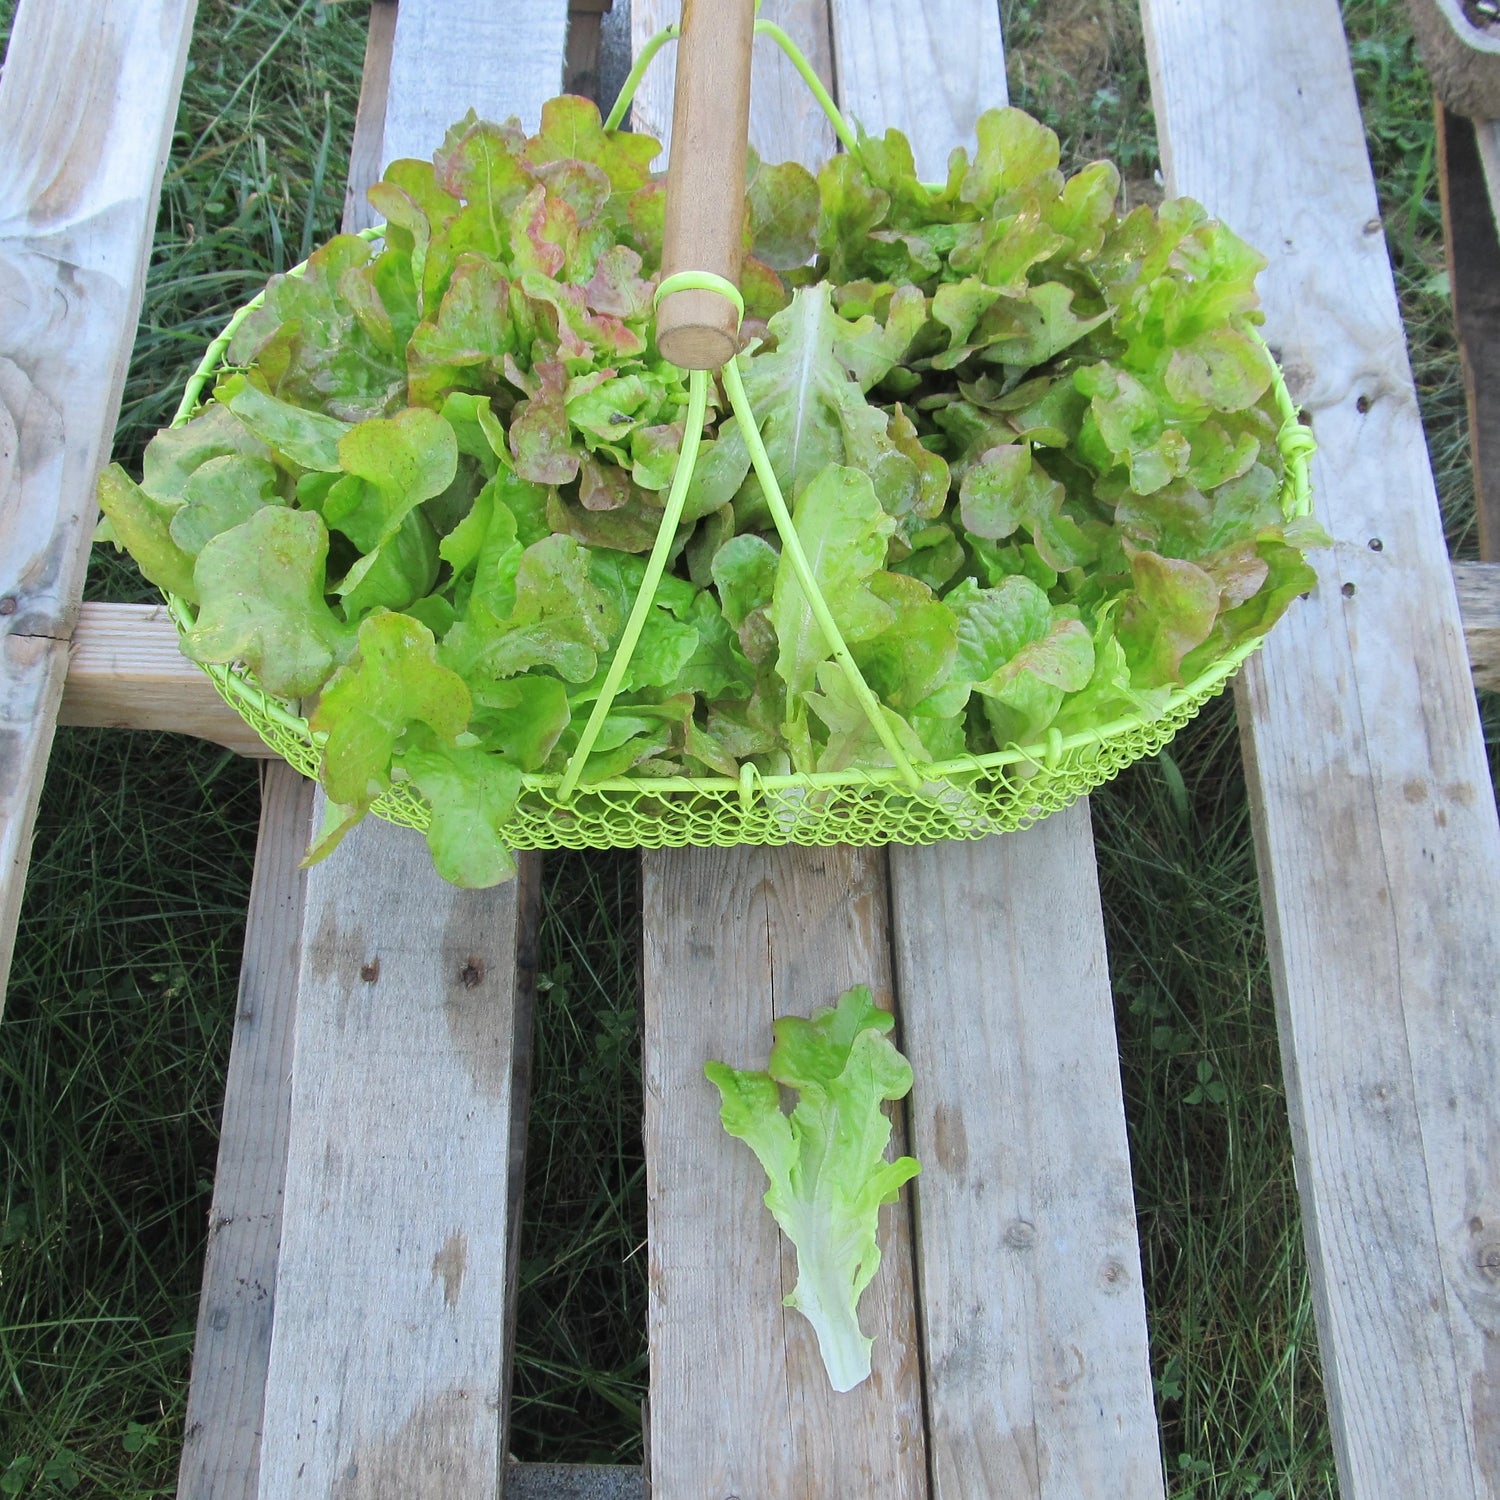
970,797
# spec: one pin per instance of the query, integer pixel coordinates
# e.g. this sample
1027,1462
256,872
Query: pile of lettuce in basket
1003,486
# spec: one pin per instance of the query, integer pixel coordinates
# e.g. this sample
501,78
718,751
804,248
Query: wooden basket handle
705,208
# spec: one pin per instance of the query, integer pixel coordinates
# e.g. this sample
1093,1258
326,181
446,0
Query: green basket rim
238,687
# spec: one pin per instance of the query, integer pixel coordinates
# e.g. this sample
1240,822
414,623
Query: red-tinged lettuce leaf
464,344
142,525
402,461
260,589
781,213
472,794
617,286
1171,611
1016,157
222,493
309,347
1221,369
1007,490
393,681
571,127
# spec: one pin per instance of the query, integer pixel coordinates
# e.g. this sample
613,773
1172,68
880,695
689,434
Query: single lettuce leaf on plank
393,681
826,1163
260,587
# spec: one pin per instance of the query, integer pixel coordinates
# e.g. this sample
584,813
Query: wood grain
500,60
1479,600
740,1403
1033,1313
388,1361
126,670
927,70
87,100
786,123
221,1442
1375,824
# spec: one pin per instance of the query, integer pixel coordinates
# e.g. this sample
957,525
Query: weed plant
121,1003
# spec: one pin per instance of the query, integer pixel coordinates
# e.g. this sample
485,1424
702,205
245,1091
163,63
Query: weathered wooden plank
1375,827
388,1368
232,1348
221,1443
1469,227
927,70
1033,1312
87,100
126,671
787,124
1479,600
739,1400
740,1404
500,60
369,122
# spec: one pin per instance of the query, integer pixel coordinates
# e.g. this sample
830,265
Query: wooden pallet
353,1337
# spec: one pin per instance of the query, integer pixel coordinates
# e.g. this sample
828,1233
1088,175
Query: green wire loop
841,127
656,565
700,281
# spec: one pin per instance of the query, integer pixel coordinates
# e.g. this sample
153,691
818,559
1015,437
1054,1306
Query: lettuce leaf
826,1163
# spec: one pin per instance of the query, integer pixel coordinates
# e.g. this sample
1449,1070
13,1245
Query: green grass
113,1049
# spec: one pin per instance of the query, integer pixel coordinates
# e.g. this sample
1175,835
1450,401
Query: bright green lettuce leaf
142,525
812,414
744,572
915,654
558,619
403,460
472,793
394,680
175,454
260,587
826,1163
843,532
521,717
398,572
220,494
852,739
310,439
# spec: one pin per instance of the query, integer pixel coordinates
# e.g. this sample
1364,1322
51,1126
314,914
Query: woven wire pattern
998,793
